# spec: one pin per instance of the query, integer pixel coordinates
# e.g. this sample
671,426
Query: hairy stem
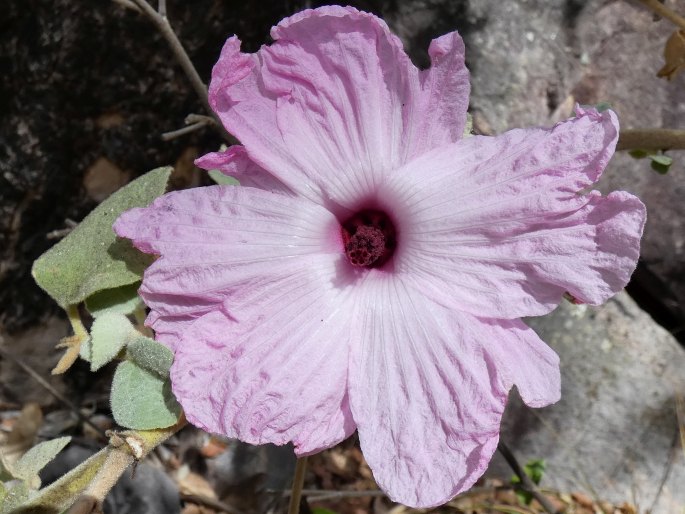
651,139
76,322
663,11
94,478
298,484
164,27
526,483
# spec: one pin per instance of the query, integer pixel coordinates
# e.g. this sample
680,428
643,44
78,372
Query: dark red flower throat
369,238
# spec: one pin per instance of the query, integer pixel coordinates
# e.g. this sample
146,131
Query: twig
54,392
199,118
209,502
128,4
298,482
316,495
164,27
168,136
339,495
526,483
62,232
161,8
662,10
651,139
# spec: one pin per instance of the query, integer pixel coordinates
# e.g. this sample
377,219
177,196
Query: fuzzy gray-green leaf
151,355
30,464
123,300
142,400
91,258
109,334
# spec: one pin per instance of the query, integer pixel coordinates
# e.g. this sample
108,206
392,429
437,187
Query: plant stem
93,479
164,27
76,322
651,139
526,483
665,12
168,136
298,484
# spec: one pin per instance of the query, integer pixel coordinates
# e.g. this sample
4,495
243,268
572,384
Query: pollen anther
369,238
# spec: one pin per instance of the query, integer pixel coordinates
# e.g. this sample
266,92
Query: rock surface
614,434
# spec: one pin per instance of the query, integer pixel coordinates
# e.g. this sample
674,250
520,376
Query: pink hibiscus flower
372,274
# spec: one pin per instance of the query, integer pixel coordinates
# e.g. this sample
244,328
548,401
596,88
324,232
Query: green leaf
150,355
141,400
91,258
108,335
223,180
322,510
124,300
661,169
638,153
535,469
16,495
661,163
603,106
524,497
86,350
30,464
662,159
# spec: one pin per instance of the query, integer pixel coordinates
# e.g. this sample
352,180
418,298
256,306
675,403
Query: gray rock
624,48
614,434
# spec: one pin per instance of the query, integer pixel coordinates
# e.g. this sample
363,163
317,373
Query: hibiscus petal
524,360
500,220
439,114
334,104
427,391
226,247
277,377
248,292
235,163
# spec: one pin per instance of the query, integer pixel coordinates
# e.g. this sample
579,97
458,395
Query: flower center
369,238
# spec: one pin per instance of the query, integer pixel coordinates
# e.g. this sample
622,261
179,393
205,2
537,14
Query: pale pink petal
498,227
524,360
321,104
235,163
226,247
334,104
438,116
277,377
248,293
427,390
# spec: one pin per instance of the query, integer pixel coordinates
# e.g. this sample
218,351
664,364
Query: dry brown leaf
23,433
213,448
191,508
193,484
627,508
583,499
104,177
674,55
109,120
